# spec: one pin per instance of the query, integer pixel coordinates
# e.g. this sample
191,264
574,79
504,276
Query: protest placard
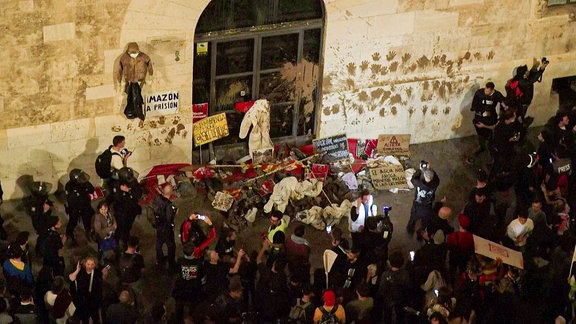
210,129
394,144
332,148
388,177
494,251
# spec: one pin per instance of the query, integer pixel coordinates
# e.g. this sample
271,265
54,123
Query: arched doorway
248,49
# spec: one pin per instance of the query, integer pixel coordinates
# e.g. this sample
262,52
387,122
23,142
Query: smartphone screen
329,229
202,217
412,253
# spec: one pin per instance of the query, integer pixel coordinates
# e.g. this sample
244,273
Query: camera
545,60
124,151
424,164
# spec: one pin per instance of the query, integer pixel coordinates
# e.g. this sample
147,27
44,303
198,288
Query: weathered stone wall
389,66
413,66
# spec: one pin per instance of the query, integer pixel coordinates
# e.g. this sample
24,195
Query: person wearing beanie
520,89
330,308
460,246
425,182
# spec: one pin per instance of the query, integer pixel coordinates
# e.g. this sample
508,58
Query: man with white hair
425,183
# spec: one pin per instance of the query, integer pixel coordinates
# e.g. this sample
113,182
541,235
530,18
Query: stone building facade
388,66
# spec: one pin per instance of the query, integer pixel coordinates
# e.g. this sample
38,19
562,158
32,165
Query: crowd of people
521,202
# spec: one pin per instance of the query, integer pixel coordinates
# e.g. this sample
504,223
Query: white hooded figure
259,118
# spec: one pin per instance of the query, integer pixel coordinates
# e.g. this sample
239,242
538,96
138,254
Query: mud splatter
477,55
408,92
376,56
396,99
446,110
375,68
411,111
152,124
326,111
467,56
156,142
393,66
363,96
490,55
393,110
170,136
382,112
179,128
434,110
423,62
162,120
116,129
390,56
405,58
424,109
141,124
351,67
350,83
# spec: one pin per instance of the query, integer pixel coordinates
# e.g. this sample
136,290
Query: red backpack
513,90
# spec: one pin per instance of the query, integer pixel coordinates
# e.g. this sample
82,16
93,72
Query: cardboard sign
263,156
494,251
332,148
162,103
396,144
388,177
210,129
199,112
222,201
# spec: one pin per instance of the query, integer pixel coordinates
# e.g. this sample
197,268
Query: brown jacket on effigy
133,69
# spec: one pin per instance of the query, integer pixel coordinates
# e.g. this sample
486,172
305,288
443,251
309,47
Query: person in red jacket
191,232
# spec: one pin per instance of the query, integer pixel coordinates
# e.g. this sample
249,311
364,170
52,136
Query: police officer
79,193
164,213
126,192
51,245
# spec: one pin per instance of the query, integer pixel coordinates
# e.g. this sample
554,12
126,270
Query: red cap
464,221
329,298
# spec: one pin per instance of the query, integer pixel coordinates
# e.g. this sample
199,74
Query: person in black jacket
526,79
51,246
164,214
425,182
188,286
86,289
485,115
79,193
127,192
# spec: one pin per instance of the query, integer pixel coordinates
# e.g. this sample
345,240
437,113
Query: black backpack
329,317
103,163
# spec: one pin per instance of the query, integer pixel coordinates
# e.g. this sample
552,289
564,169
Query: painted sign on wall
162,103
210,129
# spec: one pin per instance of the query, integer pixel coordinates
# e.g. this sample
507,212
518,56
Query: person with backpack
330,312
303,311
111,161
79,193
520,89
164,214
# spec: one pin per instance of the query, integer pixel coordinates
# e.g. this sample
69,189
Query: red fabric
465,241
296,252
199,251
